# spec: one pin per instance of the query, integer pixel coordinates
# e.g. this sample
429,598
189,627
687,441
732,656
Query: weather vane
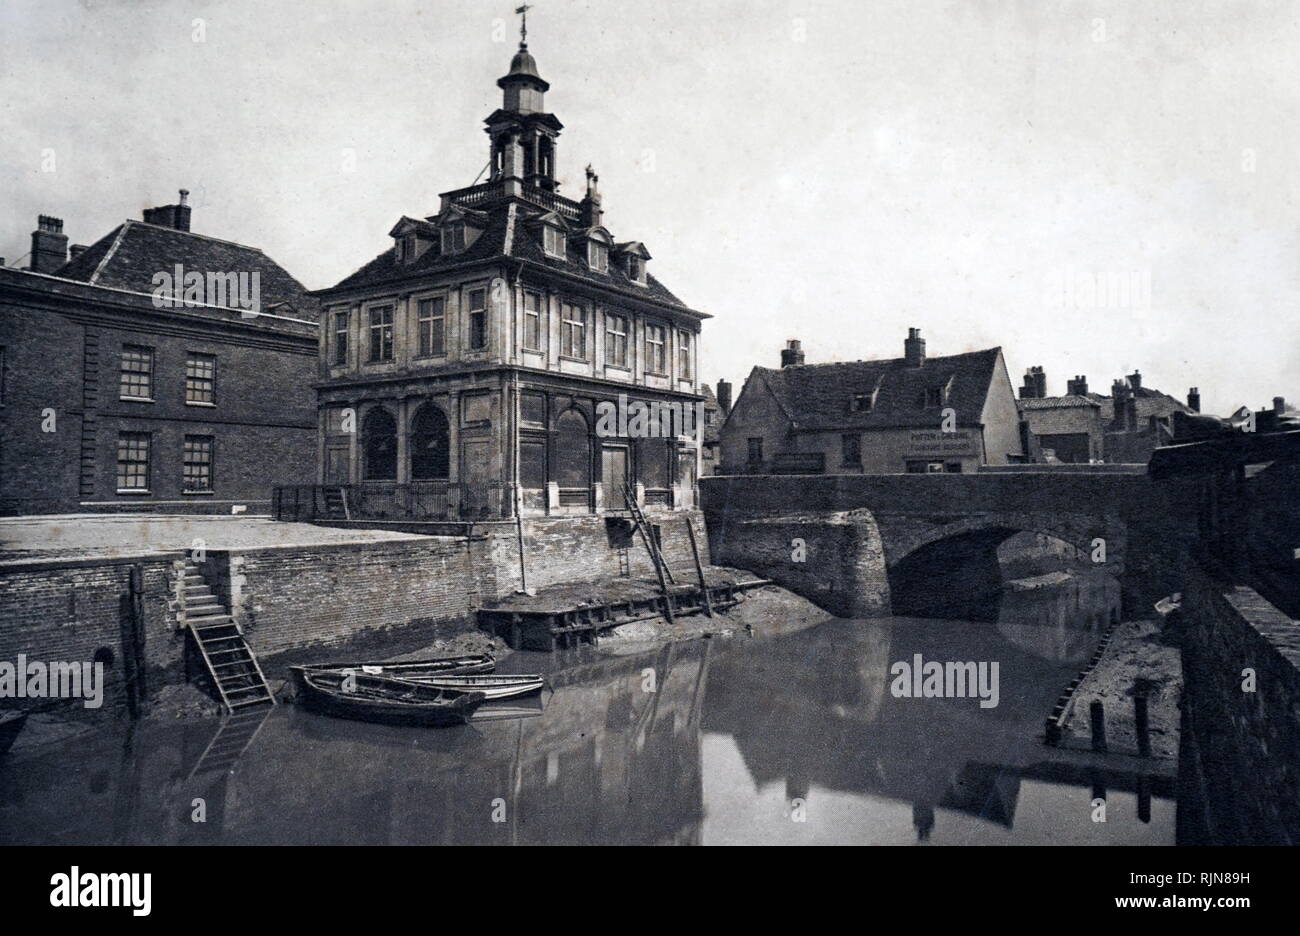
523,24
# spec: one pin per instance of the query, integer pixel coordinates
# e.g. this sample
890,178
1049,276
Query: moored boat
366,697
464,664
494,686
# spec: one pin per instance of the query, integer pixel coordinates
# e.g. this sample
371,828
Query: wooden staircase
226,654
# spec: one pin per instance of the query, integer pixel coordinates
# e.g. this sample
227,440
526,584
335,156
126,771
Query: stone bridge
861,545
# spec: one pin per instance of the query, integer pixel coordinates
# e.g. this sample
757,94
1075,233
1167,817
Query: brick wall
582,549
1240,769
65,611
291,598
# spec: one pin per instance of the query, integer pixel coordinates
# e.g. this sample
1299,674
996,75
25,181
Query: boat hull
383,700
493,687
465,664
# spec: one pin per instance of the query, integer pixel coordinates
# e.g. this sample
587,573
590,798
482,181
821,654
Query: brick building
473,354
908,414
1082,427
115,396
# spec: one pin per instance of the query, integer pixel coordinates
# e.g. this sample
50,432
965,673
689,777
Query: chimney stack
171,216
1078,386
914,348
1135,380
1119,394
49,245
1279,405
1040,382
1194,400
724,397
792,353
589,210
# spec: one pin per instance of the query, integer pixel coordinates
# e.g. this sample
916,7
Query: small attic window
553,241
934,396
453,237
636,269
597,256
406,248
863,402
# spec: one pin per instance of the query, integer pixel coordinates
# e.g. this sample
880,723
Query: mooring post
1097,715
1140,721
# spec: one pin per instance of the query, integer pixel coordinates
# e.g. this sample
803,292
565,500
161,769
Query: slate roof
507,233
131,254
819,397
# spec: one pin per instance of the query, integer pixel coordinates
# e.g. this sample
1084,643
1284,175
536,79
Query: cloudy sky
829,171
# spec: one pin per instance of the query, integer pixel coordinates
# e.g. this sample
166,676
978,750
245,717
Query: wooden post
1097,715
699,568
1141,723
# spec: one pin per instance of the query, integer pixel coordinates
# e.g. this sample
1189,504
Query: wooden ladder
662,571
336,503
232,738
229,659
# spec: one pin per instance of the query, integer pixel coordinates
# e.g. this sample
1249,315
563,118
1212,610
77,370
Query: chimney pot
1194,399
1135,380
792,353
1279,405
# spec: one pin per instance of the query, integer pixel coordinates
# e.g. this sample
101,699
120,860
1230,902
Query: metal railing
385,500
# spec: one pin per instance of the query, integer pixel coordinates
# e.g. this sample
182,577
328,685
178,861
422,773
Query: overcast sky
829,171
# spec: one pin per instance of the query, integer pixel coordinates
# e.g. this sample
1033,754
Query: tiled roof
1058,402
131,254
507,233
819,397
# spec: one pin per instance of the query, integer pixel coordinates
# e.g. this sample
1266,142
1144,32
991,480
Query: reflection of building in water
1061,622
835,726
608,762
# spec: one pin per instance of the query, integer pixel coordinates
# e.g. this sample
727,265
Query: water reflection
703,742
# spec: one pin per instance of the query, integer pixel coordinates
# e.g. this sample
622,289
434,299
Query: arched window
379,445
430,445
572,451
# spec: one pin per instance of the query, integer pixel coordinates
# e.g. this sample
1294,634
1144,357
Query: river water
794,739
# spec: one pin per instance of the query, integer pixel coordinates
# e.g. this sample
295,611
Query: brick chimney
724,397
49,245
1279,405
1040,382
1119,398
792,353
589,211
172,216
1194,400
1135,380
914,348
1078,386
1029,389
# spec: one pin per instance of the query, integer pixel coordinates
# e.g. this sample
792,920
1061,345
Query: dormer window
553,241
597,256
934,396
453,237
406,248
636,269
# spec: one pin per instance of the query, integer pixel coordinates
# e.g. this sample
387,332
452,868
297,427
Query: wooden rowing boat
416,669
365,697
493,686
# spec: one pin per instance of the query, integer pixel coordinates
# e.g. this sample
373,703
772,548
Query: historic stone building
1082,427
468,364
118,395
908,414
